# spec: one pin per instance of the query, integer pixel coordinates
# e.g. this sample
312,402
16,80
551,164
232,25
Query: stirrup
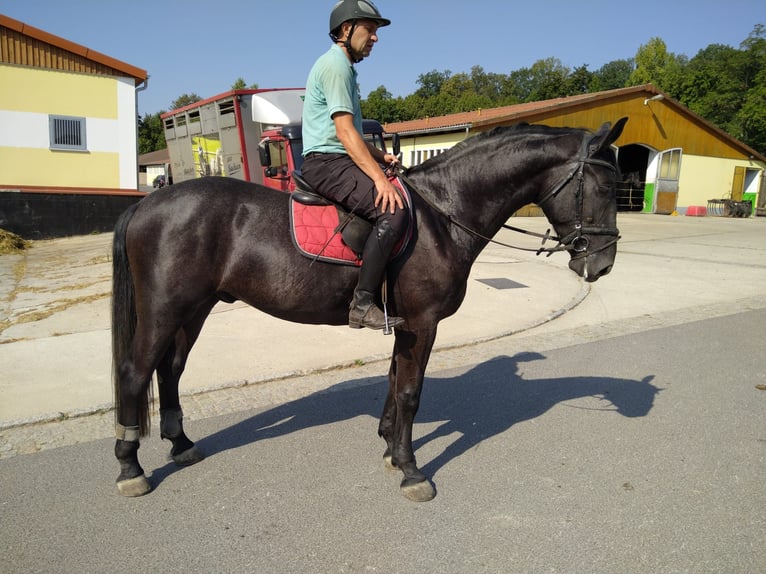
384,297
363,312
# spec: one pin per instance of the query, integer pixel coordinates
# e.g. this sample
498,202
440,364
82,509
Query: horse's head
582,206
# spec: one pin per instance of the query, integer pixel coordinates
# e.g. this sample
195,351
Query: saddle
325,231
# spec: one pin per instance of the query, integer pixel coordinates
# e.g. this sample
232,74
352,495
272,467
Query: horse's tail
124,318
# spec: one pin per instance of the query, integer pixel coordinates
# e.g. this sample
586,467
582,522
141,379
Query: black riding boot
363,312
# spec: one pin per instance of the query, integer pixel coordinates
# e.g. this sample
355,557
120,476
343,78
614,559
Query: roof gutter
455,128
143,85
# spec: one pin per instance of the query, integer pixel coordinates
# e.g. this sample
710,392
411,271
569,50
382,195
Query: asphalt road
639,450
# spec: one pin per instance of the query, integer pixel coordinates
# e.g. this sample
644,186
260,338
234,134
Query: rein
575,241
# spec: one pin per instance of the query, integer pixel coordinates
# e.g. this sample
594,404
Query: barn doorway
633,160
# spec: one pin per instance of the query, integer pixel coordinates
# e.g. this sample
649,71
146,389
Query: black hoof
188,457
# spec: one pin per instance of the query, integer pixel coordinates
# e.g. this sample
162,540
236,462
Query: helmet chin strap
353,54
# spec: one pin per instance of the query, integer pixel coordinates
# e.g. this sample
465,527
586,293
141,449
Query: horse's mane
495,138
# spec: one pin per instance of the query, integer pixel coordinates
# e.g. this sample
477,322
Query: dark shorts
338,178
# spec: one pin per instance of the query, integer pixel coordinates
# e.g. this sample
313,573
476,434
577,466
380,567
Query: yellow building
670,157
67,118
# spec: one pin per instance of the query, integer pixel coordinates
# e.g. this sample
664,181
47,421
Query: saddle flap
354,231
325,231
314,230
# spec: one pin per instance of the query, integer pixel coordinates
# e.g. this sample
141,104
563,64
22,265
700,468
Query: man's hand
387,196
366,156
390,159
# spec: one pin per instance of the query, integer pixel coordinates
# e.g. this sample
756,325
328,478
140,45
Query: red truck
253,135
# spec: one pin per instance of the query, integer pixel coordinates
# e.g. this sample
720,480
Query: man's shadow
482,403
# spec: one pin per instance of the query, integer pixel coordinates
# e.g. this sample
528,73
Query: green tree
151,135
184,100
520,84
431,83
750,119
382,106
579,81
239,84
453,89
546,79
414,107
655,65
612,75
711,85
549,80
490,86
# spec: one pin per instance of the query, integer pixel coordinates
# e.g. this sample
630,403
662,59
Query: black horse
183,249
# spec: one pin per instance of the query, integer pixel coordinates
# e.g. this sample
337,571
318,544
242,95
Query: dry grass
12,243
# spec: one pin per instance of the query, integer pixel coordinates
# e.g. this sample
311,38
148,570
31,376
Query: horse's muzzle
594,266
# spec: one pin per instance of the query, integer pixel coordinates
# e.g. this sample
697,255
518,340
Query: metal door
738,183
668,173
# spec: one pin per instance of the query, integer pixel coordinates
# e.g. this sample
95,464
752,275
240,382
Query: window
419,156
67,133
670,164
226,107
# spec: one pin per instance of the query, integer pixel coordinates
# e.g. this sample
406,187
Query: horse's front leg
388,418
411,353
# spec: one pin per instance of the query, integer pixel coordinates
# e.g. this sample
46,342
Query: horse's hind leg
133,384
183,451
131,480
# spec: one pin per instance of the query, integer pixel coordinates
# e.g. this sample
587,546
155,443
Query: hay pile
11,243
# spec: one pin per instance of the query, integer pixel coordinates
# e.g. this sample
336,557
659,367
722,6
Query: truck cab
281,152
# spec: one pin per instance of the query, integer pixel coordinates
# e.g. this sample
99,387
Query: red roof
77,49
515,112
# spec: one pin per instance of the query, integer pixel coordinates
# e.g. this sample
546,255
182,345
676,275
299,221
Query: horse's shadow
477,405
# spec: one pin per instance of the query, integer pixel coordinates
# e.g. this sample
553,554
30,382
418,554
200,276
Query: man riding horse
339,164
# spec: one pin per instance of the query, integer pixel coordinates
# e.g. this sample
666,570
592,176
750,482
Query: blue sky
192,46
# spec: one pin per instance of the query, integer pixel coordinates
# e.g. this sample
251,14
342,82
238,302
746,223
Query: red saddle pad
314,234
314,231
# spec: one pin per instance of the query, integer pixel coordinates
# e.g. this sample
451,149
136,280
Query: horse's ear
605,136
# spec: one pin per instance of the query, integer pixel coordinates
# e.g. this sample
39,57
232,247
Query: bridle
576,241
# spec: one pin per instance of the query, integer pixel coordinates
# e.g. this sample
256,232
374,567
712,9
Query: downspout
139,88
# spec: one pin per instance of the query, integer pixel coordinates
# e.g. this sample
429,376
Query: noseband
577,241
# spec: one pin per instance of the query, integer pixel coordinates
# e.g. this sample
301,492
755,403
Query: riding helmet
346,10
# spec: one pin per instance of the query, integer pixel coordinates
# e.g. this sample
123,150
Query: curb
579,297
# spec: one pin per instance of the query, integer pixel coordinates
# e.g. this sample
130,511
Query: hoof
188,457
137,486
388,463
419,491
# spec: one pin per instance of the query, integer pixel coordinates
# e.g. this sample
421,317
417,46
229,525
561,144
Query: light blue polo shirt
331,87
